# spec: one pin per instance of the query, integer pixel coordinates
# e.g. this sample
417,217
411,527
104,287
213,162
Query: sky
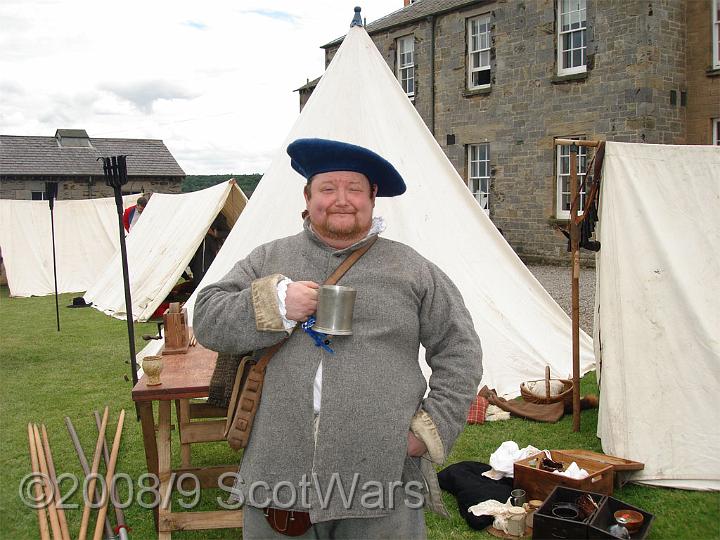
213,79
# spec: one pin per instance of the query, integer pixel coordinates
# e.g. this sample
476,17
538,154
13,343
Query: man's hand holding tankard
301,300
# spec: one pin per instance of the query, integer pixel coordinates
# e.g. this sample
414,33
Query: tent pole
575,251
51,193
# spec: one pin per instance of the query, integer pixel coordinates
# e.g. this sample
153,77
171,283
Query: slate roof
32,156
409,14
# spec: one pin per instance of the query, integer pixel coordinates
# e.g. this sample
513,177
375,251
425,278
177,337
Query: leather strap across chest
332,280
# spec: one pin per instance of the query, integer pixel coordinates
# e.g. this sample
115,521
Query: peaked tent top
360,101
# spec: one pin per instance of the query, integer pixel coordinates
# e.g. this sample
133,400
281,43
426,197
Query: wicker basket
565,395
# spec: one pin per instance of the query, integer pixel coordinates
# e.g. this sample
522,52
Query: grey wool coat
372,386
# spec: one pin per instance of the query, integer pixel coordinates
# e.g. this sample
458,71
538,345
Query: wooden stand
177,336
575,260
185,376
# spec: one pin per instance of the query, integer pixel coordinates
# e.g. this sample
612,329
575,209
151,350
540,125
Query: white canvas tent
358,100
86,237
160,247
657,319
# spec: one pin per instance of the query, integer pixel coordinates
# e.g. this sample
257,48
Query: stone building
498,81
70,158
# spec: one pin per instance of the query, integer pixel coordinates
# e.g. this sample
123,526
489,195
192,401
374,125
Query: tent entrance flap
655,312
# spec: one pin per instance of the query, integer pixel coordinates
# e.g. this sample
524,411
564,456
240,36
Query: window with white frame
572,34
716,33
479,174
563,178
716,131
406,64
478,32
38,196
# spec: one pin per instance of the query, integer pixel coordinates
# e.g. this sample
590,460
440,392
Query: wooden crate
546,526
538,483
604,517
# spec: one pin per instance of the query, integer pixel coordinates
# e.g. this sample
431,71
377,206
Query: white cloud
214,80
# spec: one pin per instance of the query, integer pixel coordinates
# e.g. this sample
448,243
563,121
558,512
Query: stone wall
93,189
636,60
703,82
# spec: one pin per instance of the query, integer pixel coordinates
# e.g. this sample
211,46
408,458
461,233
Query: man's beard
346,231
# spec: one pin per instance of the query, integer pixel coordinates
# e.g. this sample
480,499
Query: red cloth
127,216
478,409
160,311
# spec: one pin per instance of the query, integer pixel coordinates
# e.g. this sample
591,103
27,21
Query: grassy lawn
48,375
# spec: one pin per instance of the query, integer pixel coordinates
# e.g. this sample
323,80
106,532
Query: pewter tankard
335,310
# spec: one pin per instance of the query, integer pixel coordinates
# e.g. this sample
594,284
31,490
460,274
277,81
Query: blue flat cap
314,156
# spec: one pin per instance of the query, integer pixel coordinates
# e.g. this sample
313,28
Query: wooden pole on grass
35,465
52,509
108,476
54,483
94,496
119,514
93,474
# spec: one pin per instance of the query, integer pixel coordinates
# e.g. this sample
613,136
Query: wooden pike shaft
106,455
575,248
86,468
93,472
54,483
47,485
42,515
109,475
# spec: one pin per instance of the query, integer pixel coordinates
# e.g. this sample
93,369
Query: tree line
195,182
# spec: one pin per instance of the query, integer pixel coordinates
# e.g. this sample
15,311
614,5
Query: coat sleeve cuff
424,429
265,303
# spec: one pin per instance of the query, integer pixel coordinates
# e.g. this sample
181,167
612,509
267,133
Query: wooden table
184,377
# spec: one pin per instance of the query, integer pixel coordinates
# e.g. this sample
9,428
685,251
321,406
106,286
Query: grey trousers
404,522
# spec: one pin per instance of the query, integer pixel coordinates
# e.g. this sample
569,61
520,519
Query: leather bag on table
247,389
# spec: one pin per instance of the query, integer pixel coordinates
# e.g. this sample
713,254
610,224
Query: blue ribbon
320,339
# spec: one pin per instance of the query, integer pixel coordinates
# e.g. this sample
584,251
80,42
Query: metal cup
517,497
335,310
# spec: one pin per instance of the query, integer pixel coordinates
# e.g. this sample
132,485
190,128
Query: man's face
139,209
340,204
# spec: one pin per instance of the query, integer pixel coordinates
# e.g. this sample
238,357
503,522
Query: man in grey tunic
346,434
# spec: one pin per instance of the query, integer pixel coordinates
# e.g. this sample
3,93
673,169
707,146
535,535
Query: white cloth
500,511
503,459
573,471
495,413
282,295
